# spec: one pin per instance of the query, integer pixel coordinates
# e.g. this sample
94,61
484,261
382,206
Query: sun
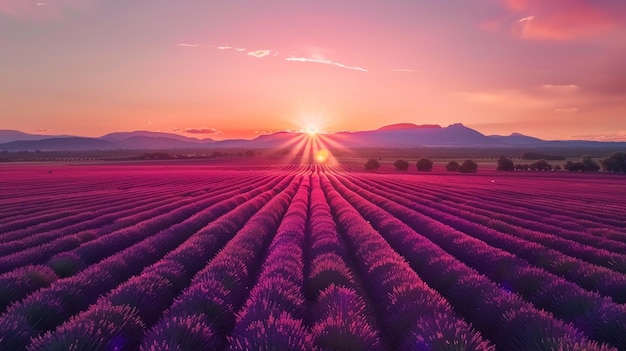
311,130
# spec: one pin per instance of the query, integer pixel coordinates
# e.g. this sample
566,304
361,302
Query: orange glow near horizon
230,70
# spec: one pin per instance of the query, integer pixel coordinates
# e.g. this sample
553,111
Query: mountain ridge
400,135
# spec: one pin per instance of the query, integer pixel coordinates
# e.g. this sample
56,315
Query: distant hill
517,139
64,144
401,126
121,136
402,135
7,136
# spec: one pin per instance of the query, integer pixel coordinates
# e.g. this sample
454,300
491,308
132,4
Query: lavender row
107,245
508,320
591,277
552,236
146,295
511,219
272,316
340,317
587,310
96,209
49,307
204,314
25,206
549,201
413,315
108,219
67,264
43,212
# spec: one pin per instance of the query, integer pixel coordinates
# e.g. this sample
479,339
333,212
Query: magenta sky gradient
228,69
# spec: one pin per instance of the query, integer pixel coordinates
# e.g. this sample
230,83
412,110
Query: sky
237,69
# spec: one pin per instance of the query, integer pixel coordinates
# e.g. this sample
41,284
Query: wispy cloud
203,130
260,53
526,19
187,45
147,123
231,48
326,62
42,130
41,10
618,136
566,109
560,86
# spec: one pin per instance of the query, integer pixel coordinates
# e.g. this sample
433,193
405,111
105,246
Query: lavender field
309,257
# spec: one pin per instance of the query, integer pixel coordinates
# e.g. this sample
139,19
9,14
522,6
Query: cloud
203,130
566,109
147,123
618,136
260,53
526,19
230,48
42,130
558,19
560,87
186,45
327,62
42,10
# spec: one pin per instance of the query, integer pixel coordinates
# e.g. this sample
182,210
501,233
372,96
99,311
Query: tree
452,166
424,165
505,164
616,162
372,164
401,165
540,165
522,167
468,166
586,164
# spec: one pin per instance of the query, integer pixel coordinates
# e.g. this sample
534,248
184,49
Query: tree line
426,165
614,163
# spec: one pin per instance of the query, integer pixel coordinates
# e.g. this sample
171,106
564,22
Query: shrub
66,264
616,162
401,165
372,164
106,327
468,166
505,164
424,165
586,164
540,165
189,332
452,166
17,284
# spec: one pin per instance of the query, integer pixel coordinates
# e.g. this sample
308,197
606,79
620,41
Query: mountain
401,126
517,139
7,136
402,135
412,136
60,143
121,136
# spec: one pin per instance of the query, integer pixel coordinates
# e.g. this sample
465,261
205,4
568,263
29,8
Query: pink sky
234,69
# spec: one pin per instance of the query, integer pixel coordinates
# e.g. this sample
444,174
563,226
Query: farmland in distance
195,256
